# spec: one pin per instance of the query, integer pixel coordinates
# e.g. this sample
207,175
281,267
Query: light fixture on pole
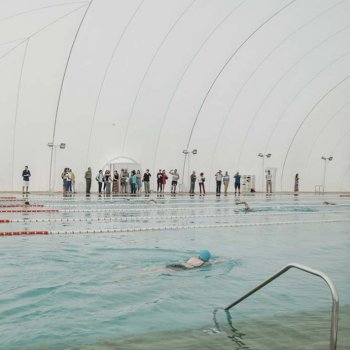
329,159
262,155
54,147
187,153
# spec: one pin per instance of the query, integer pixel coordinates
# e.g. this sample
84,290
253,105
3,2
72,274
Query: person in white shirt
201,181
226,180
218,177
268,182
174,180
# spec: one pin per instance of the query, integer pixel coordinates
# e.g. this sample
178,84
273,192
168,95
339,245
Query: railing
335,304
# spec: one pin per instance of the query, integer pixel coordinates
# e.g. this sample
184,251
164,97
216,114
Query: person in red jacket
164,178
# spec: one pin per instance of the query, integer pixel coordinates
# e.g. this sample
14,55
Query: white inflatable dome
148,79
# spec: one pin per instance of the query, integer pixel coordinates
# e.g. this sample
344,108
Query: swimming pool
74,289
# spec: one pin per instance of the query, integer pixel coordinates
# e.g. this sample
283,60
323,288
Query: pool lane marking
169,228
150,208
21,233
21,205
30,211
165,217
187,227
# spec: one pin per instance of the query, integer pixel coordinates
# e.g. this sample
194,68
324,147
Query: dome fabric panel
146,79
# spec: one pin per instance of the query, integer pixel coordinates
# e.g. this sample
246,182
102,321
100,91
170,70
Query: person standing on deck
26,176
237,178
88,176
218,177
268,182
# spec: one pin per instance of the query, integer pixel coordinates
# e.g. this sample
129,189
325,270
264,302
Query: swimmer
152,201
328,203
26,203
246,206
197,261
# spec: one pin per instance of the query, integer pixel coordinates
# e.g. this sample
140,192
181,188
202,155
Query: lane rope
171,228
29,211
21,233
164,217
150,208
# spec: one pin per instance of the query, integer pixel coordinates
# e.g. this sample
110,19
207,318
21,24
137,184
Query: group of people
132,183
119,183
220,178
125,182
68,178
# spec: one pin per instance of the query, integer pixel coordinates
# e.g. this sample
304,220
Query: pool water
110,290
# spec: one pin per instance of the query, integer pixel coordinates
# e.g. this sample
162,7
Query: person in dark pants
201,184
296,184
237,178
133,182
193,182
146,178
99,179
218,177
25,175
159,181
88,176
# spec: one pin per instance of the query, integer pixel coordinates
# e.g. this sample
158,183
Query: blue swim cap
204,255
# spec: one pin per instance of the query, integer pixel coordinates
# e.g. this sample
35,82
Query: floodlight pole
53,156
187,153
261,155
330,158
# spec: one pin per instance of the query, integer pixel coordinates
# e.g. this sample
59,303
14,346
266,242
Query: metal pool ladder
335,304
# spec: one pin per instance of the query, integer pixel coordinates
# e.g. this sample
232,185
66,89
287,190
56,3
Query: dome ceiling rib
227,63
115,50
323,129
178,19
187,68
265,59
306,117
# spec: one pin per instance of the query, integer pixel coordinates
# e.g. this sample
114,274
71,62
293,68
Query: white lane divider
165,217
161,208
190,227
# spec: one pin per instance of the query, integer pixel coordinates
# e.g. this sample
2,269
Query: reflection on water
296,331
303,330
232,333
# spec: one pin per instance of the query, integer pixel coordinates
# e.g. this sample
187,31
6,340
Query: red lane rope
29,211
12,200
20,233
8,197
20,205
5,221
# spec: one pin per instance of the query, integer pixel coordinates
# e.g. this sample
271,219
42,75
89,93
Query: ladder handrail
331,285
